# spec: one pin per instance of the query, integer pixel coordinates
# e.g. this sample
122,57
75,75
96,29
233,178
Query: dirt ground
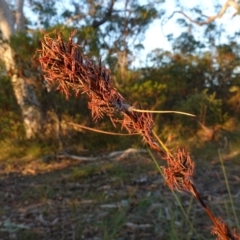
123,197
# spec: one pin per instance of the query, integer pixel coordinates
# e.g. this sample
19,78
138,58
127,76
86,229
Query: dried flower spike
180,170
70,71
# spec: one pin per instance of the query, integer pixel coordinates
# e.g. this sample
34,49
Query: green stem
175,195
228,189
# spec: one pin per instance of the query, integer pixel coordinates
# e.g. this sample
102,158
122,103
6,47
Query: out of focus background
158,57
165,55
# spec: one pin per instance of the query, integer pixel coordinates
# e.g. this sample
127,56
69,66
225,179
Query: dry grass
70,71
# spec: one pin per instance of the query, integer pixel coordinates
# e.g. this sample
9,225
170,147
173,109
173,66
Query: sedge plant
66,68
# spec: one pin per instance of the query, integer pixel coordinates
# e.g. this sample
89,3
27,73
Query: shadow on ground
108,199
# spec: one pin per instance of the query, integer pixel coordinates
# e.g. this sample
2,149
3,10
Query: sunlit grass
12,149
25,156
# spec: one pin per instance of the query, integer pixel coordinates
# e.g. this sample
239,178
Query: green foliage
24,44
195,81
10,117
45,10
186,44
205,106
146,92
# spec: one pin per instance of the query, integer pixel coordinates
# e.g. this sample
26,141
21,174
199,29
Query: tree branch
229,3
96,23
74,17
108,14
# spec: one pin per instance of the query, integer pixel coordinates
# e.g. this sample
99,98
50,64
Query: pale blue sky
156,35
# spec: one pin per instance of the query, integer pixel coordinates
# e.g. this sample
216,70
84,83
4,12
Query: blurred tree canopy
199,76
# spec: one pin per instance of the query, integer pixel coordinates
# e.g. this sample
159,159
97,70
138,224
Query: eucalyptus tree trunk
25,94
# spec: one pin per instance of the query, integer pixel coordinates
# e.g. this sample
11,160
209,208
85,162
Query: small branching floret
222,231
179,172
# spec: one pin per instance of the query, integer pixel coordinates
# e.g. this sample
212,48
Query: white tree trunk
25,95
19,16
